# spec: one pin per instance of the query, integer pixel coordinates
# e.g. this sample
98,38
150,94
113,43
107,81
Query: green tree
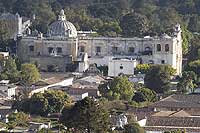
168,18
52,101
38,104
194,66
176,131
42,10
111,29
194,53
142,68
163,14
18,119
186,82
29,74
145,95
134,24
186,36
56,100
158,78
4,35
103,70
194,23
87,116
43,130
187,6
119,88
10,71
133,128
163,19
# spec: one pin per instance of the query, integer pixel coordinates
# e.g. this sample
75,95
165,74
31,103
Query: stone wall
55,62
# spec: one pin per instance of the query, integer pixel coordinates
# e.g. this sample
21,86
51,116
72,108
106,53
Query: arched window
166,47
131,49
158,47
82,49
147,49
59,50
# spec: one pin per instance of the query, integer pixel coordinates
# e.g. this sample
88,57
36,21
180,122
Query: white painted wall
100,61
79,97
122,66
154,132
83,66
11,92
172,57
65,82
142,122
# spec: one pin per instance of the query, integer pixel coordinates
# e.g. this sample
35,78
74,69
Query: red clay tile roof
179,101
173,121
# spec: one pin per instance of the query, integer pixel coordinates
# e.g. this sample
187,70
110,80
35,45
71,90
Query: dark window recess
158,47
131,50
114,49
162,61
166,47
31,48
148,51
50,50
82,49
98,49
59,50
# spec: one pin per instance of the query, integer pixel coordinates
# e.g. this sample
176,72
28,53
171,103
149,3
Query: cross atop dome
62,16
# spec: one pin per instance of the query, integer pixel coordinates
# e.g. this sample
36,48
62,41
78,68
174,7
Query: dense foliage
158,78
29,73
120,88
18,119
176,131
86,116
187,82
126,18
9,70
43,103
133,128
145,95
142,68
194,66
152,16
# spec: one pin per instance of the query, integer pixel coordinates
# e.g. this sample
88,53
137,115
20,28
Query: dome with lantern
62,27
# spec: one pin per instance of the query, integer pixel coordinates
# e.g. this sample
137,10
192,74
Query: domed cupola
62,27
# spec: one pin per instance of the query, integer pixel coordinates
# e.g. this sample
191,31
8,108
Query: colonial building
118,66
151,50
56,50
64,44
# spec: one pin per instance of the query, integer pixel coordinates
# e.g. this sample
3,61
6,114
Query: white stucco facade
149,50
119,66
64,41
42,89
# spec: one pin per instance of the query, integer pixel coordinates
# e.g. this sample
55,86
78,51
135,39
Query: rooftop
90,80
180,113
172,123
179,101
